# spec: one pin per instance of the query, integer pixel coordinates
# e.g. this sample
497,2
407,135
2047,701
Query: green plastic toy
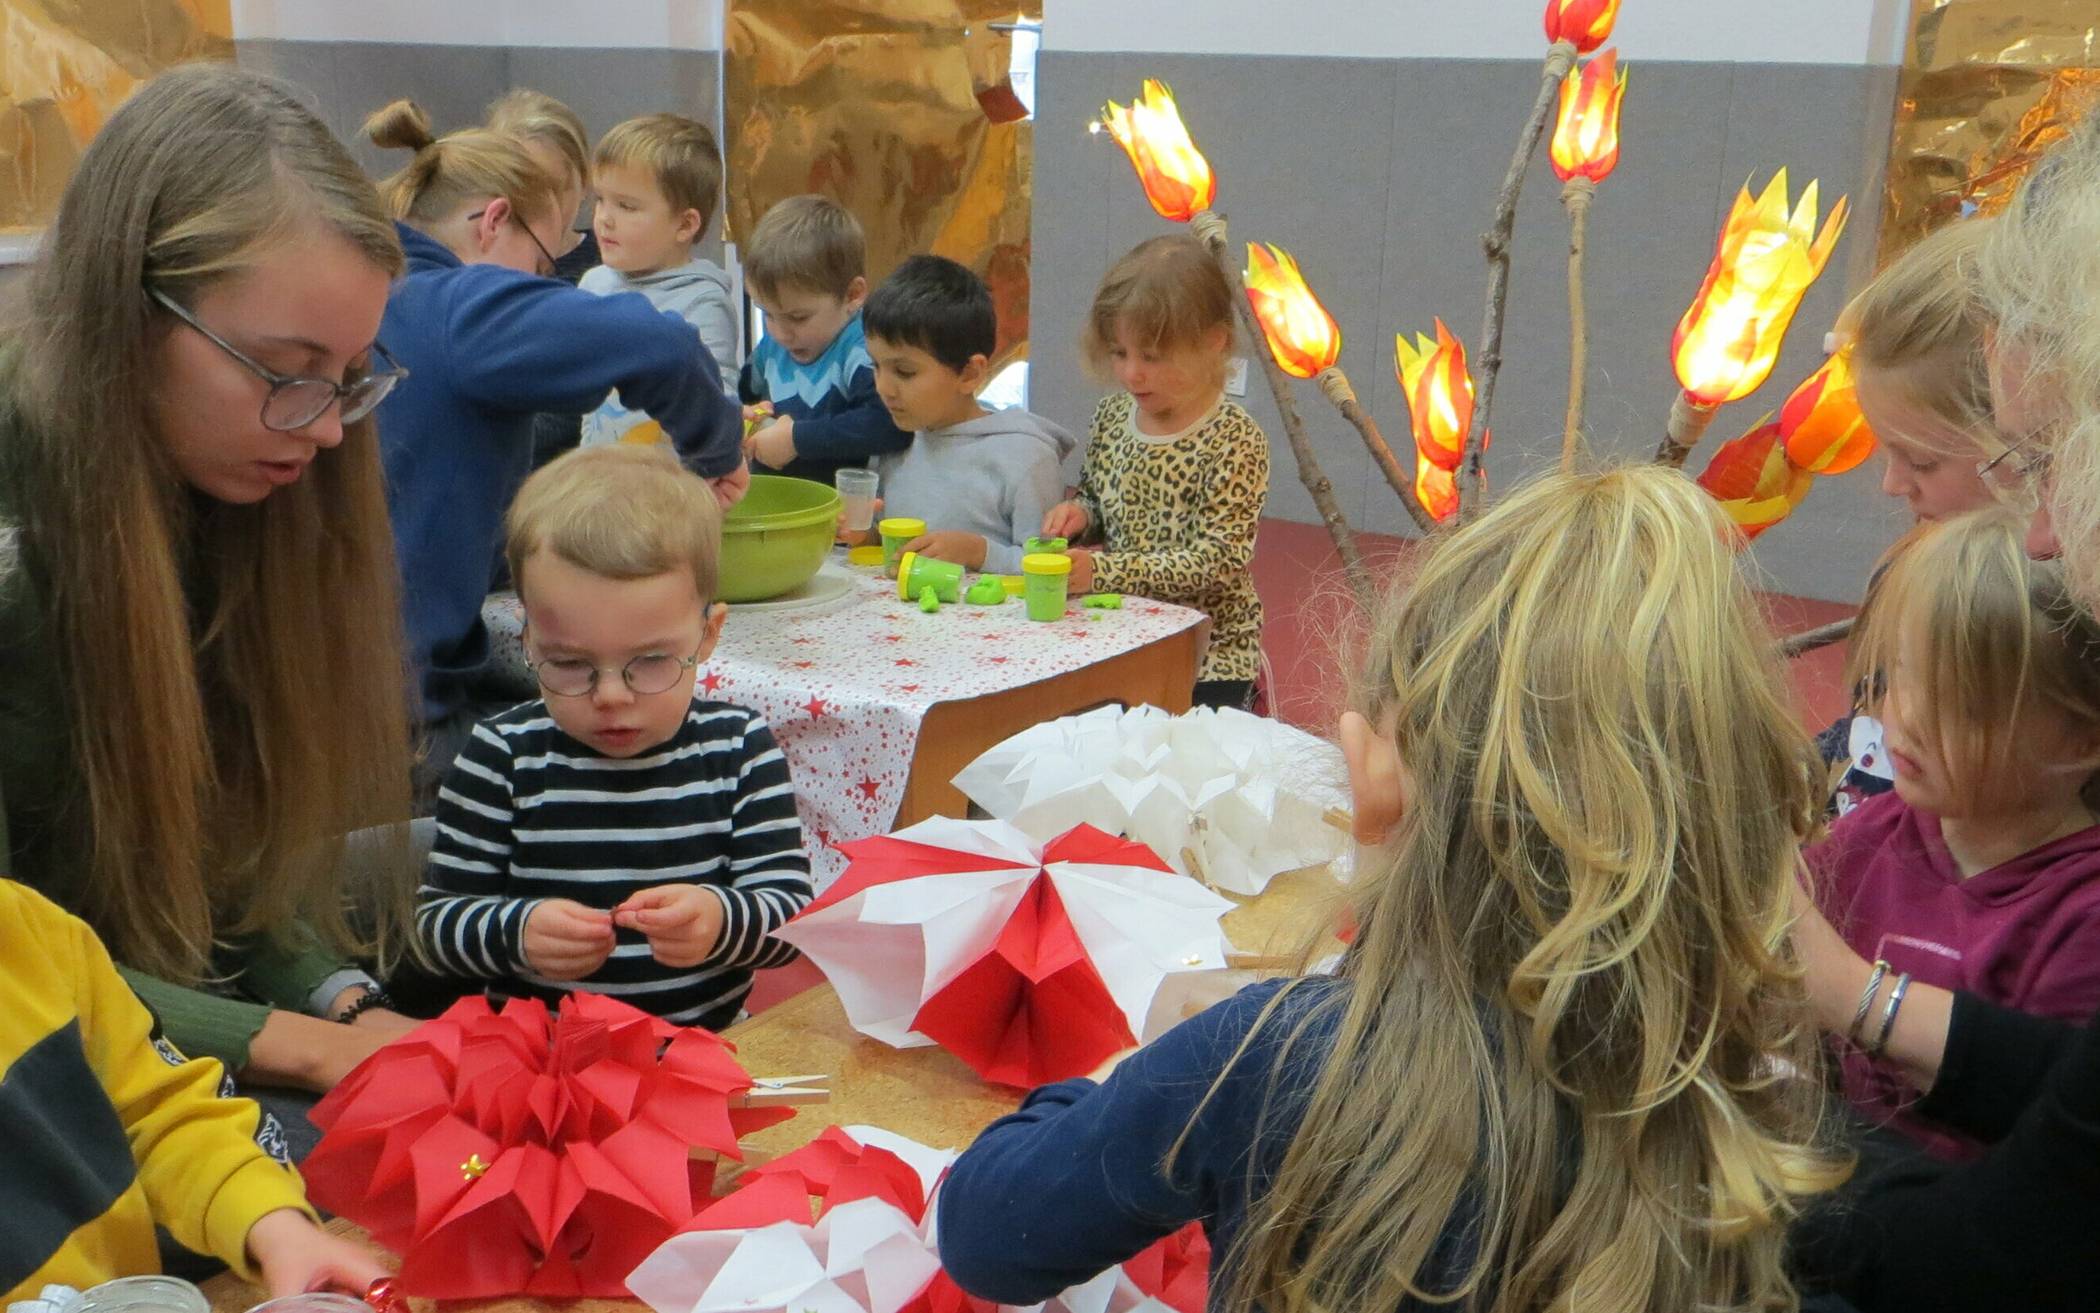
1036,545
916,573
929,600
987,591
1103,601
1048,575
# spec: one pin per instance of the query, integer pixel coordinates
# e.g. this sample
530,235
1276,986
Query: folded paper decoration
1230,798
1030,963
508,1151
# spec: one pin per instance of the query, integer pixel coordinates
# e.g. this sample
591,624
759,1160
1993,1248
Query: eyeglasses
2023,468
525,228
650,673
293,402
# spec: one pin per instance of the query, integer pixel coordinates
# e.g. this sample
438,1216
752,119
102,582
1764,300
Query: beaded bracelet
379,998
1866,999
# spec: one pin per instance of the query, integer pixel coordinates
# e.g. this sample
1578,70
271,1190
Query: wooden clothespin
1239,961
784,1092
1340,818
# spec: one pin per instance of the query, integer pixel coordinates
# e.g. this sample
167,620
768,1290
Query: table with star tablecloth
877,704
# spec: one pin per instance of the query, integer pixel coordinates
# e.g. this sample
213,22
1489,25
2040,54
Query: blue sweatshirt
486,348
1073,1183
838,418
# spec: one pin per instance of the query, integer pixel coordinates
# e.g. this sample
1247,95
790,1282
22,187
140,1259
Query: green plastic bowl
776,537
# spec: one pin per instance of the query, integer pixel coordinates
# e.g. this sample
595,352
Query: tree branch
1576,196
1560,59
1334,384
1808,640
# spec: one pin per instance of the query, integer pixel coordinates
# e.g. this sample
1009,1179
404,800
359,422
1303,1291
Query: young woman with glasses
490,340
190,513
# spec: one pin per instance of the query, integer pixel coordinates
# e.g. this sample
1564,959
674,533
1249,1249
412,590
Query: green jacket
43,808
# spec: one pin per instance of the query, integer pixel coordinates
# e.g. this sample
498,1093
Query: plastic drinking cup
857,489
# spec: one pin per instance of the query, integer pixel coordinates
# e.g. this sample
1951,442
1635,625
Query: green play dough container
776,537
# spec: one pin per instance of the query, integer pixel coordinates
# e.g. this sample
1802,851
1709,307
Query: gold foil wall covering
1988,86
901,111
65,64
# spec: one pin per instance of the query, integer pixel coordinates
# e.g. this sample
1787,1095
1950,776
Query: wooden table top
923,1093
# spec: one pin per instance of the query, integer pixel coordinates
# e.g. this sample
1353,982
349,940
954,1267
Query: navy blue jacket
1073,1183
839,420
487,348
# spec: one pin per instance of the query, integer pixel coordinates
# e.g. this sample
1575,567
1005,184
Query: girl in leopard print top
1175,474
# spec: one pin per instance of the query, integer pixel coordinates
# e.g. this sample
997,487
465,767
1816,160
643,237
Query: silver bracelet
1888,1015
1866,999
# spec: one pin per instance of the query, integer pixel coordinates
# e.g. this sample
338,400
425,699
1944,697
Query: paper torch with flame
1821,423
1754,481
1176,177
1439,392
1763,265
1302,336
1586,135
1585,24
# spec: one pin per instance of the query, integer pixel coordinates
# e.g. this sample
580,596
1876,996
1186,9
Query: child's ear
711,629
1378,784
1219,339
690,225
856,291
976,371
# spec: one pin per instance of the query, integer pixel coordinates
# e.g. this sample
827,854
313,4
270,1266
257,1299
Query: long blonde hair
2040,277
458,167
1922,316
223,753
1572,1013
1988,634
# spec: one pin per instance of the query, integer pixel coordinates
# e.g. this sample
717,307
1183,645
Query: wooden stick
1808,640
1576,196
758,1097
1340,819
1688,420
1334,385
1560,59
1209,225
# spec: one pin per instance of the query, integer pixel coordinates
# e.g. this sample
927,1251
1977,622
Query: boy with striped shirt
617,836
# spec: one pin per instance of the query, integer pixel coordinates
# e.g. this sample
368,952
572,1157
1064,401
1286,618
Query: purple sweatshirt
2024,934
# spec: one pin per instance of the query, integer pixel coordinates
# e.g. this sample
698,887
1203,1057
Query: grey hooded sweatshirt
995,475
698,292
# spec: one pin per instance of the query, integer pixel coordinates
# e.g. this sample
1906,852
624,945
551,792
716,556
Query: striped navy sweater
528,813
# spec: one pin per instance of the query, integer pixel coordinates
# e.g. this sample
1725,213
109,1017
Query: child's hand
964,549
564,940
1081,581
773,445
295,1256
1067,519
683,922
730,488
857,537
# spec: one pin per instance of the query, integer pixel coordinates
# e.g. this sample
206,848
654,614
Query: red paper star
908,688
906,661
868,787
816,707
893,638
999,661
802,665
711,681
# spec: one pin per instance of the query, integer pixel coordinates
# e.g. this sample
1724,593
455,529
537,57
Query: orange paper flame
1821,423
1763,264
1753,480
1302,336
1586,137
1436,488
1176,177
1439,394
1586,23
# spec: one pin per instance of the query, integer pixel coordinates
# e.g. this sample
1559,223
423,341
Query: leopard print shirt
1177,517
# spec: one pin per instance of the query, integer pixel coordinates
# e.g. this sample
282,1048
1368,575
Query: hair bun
400,126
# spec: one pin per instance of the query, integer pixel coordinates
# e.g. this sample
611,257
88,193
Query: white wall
618,24
1739,31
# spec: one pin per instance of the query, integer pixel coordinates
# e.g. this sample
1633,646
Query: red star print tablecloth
847,683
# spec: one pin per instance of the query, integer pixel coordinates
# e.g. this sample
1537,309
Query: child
1982,870
1175,474
982,480
617,836
804,267
111,1132
1917,345
658,179
1542,1075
